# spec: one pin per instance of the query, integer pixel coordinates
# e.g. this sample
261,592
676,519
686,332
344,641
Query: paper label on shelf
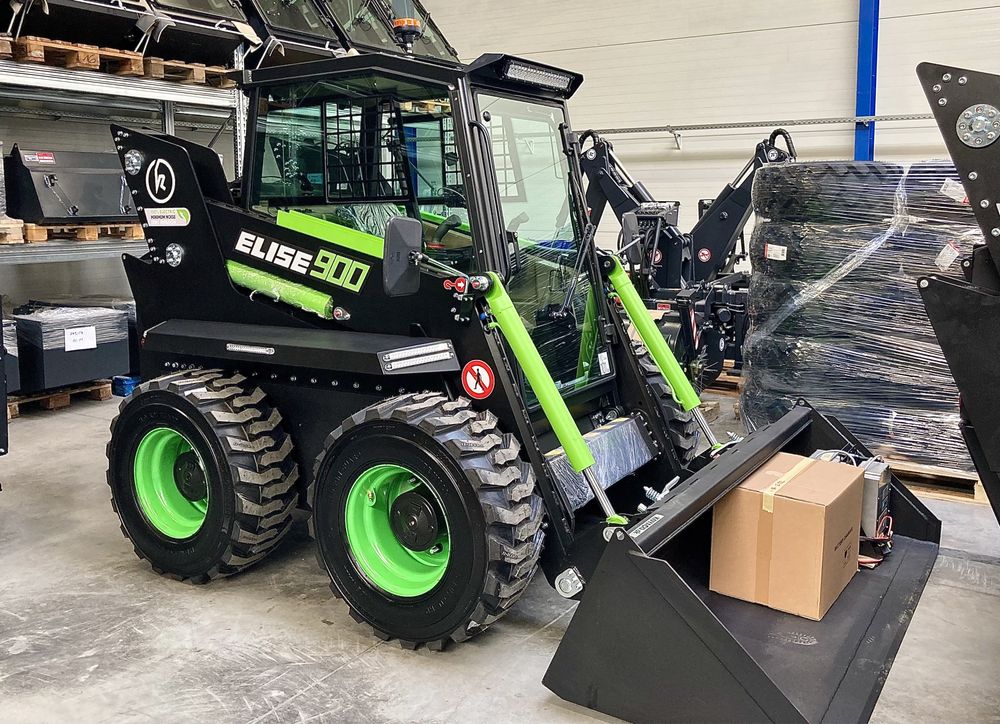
604,363
776,252
947,256
954,190
168,216
77,338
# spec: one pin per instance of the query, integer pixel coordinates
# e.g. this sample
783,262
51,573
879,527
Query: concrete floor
88,632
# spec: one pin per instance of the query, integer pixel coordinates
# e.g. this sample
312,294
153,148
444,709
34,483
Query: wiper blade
589,233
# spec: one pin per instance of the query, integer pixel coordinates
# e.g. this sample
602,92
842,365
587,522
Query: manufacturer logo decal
478,379
168,216
335,269
645,525
160,181
704,255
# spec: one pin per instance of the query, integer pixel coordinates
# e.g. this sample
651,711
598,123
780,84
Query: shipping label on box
77,338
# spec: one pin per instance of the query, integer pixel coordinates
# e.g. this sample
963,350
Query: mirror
630,232
400,275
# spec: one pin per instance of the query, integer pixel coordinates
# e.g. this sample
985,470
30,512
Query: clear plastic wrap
835,312
620,448
46,328
10,337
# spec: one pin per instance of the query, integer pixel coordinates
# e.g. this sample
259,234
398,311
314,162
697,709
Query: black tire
248,459
486,493
681,426
842,192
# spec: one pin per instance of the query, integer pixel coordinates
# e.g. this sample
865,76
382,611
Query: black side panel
208,169
966,321
306,349
199,288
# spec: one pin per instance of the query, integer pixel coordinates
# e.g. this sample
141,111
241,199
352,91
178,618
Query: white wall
680,62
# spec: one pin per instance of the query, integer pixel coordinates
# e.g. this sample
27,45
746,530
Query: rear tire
681,426
488,516
202,474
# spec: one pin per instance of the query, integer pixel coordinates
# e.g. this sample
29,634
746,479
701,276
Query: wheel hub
189,477
414,521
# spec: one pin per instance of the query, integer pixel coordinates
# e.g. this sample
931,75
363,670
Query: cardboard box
787,537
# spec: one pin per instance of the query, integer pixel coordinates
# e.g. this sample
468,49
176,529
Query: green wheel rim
384,560
161,501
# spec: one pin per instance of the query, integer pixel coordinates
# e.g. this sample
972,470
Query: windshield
299,17
369,22
549,286
361,149
215,8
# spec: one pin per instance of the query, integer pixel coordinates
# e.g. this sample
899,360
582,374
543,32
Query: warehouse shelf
74,84
63,251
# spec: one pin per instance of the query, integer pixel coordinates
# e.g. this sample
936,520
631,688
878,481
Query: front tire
425,518
202,474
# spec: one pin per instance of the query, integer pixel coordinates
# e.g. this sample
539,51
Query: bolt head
946,77
942,101
973,176
937,88
984,204
995,232
924,284
963,80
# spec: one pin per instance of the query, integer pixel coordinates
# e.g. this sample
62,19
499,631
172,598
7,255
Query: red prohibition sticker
704,255
657,257
478,379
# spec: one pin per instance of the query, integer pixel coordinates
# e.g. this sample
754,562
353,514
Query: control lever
446,227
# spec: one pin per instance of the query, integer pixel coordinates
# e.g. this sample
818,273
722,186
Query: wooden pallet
6,46
82,232
11,232
58,399
187,73
79,56
939,482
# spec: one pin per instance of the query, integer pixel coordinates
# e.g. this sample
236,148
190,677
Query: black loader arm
965,311
717,232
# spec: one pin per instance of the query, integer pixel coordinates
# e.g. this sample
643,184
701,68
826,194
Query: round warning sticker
478,379
704,255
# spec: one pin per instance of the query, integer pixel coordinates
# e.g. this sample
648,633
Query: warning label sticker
478,379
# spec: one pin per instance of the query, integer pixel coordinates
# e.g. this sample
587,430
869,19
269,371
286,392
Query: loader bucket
650,642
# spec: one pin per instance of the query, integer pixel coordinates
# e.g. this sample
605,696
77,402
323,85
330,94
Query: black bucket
650,642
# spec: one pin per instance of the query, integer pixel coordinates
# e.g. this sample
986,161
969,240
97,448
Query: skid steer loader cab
405,333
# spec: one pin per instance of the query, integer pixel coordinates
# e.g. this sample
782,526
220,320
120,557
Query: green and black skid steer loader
404,333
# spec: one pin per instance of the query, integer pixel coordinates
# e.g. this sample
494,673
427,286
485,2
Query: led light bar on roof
533,74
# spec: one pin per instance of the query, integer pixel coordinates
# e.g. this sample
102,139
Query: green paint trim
588,340
680,386
297,295
163,505
335,234
388,564
435,219
558,415
617,520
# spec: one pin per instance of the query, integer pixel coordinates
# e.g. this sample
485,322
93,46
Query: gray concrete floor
89,633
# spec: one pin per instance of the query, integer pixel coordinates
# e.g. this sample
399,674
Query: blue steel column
864,134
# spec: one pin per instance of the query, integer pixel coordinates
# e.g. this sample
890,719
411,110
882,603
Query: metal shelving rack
136,101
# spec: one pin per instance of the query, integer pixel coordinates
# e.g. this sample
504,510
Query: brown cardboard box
787,537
